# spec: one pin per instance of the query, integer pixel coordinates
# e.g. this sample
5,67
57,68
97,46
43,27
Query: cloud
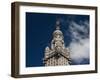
79,50
79,46
79,31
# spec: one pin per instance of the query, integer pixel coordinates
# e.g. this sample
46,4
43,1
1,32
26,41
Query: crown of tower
57,50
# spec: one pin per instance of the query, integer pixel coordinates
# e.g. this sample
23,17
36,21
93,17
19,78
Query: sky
39,30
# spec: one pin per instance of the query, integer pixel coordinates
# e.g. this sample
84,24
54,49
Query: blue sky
39,29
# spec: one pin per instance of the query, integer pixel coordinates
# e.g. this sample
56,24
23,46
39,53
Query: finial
57,24
47,49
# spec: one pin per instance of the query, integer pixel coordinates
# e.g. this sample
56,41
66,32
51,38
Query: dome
57,32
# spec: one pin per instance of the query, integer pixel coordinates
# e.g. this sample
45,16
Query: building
57,53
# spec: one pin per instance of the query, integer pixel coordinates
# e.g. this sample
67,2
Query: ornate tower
57,53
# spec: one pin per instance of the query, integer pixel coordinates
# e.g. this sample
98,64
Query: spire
57,24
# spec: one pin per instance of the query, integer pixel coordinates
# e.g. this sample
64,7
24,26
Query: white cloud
79,50
79,47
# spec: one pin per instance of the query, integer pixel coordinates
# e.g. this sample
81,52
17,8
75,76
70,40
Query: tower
57,53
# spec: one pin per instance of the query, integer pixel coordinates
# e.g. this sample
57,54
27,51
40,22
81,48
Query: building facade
57,53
